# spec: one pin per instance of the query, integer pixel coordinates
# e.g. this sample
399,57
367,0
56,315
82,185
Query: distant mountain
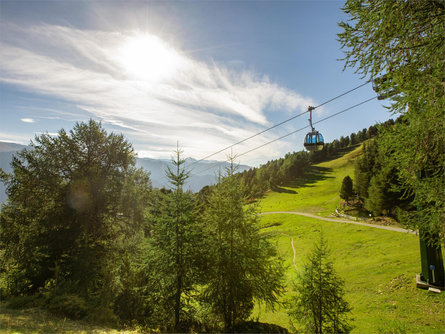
10,147
7,150
203,173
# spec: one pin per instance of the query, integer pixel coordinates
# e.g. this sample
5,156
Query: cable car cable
291,133
281,123
338,96
252,136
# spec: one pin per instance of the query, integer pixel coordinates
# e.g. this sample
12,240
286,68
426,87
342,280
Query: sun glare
147,57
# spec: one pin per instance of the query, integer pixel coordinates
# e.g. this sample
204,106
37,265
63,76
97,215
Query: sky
204,74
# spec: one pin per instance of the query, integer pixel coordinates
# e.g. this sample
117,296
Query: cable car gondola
314,140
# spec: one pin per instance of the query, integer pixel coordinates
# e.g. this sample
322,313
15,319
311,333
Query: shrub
20,302
68,305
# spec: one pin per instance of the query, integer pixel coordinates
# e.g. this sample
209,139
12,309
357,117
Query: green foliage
346,191
404,41
19,302
75,203
297,165
363,171
67,305
319,304
244,267
258,327
175,252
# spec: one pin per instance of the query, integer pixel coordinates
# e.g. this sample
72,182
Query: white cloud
14,138
27,120
204,106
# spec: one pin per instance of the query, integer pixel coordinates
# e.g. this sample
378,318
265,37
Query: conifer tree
175,242
346,191
319,304
244,264
402,43
76,205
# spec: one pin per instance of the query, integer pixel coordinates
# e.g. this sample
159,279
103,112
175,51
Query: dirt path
339,220
291,243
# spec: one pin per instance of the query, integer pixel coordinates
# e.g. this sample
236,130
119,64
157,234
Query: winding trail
291,243
339,220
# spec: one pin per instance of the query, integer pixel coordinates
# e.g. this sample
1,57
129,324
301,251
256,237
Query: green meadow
317,192
378,266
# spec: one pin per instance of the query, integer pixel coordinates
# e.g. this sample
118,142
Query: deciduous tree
75,202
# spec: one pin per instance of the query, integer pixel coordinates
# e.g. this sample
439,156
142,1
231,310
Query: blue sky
205,74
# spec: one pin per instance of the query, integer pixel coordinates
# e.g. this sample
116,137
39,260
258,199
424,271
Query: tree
175,244
364,169
319,303
244,264
75,203
403,42
353,138
346,191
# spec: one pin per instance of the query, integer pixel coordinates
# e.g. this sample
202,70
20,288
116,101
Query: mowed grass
318,192
378,266
379,269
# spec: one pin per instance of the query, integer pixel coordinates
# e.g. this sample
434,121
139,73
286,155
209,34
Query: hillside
317,192
378,266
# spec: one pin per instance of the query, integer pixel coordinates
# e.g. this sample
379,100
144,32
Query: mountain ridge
201,175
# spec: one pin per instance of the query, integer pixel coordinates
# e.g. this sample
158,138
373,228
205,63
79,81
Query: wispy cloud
205,106
27,120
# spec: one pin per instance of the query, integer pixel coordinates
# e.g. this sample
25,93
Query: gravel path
340,220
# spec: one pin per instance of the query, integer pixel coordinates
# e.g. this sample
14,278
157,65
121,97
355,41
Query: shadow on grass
278,189
258,327
338,154
315,174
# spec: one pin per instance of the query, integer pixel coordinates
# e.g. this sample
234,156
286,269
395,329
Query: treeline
376,181
295,165
85,235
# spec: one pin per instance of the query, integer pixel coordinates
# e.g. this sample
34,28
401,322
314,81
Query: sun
146,57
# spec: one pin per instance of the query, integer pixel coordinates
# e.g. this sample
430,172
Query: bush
20,302
103,315
258,327
67,305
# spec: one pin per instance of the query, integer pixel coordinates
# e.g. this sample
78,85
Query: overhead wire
291,133
278,124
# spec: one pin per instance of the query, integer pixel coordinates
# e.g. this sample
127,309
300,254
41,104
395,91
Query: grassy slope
378,266
316,194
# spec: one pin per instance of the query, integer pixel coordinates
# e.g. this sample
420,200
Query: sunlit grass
378,266
317,193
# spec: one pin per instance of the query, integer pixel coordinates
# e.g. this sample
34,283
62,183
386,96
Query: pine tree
319,304
346,191
175,243
243,267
